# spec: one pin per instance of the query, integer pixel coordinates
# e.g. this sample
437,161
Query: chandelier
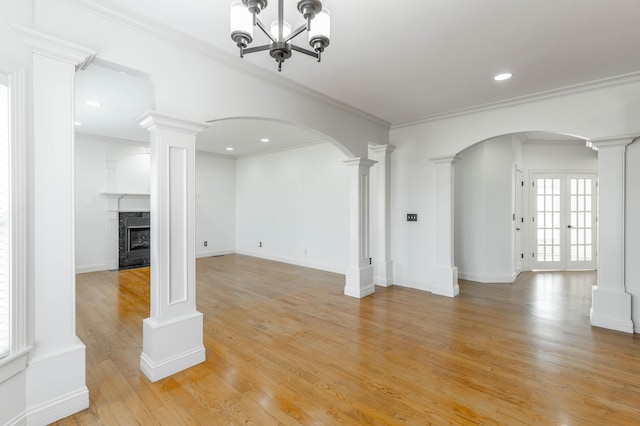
244,16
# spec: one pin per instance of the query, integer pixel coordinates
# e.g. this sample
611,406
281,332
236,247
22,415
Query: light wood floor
284,346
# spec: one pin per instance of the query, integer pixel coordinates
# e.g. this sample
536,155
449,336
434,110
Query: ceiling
411,59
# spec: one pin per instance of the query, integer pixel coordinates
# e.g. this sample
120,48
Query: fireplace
134,243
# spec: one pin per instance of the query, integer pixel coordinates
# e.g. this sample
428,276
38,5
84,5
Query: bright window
5,261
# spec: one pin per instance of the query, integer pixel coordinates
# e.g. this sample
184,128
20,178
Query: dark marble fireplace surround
133,240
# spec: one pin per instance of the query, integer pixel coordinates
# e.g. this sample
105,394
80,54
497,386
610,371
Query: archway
496,221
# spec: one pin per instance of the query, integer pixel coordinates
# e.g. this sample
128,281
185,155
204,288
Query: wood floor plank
286,347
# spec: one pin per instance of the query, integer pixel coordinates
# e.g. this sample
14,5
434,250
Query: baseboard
214,253
91,268
159,370
305,264
611,323
487,279
59,408
19,420
417,285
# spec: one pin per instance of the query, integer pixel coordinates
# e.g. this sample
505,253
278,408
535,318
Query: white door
564,221
519,221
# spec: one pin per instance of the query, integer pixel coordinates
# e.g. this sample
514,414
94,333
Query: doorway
564,218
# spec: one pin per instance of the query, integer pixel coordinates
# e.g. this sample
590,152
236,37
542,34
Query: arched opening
507,221
282,188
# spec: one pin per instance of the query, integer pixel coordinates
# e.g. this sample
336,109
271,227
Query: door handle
517,229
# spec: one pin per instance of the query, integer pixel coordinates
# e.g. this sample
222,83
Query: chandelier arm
256,49
298,30
264,30
303,50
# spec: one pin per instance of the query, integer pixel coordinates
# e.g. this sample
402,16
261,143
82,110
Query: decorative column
55,375
611,304
382,264
359,279
444,275
173,334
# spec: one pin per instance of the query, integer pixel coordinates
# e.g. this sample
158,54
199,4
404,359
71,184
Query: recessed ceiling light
264,140
77,123
503,76
229,148
94,104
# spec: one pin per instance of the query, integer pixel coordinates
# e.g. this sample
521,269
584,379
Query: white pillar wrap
359,278
611,304
55,375
382,263
444,275
173,334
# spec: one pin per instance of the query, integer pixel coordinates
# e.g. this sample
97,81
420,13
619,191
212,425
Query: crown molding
55,48
548,94
168,34
151,120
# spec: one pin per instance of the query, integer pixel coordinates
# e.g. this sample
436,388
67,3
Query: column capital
382,149
359,161
151,120
615,141
52,47
446,159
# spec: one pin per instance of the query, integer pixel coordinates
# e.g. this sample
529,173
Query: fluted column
359,277
173,334
444,275
382,263
611,304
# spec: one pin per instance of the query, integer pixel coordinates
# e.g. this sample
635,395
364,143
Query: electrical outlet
412,217
260,244
205,243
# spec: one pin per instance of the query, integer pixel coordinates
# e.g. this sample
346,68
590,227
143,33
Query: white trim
19,334
159,370
488,279
312,265
59,408
414,284
214,253
159,31
91,268
511,102
625,326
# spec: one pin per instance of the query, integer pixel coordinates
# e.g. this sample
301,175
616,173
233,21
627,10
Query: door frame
532,246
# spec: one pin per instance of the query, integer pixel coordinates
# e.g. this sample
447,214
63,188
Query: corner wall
296,203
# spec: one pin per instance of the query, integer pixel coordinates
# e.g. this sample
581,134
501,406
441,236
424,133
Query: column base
444,281
383,273
56,386
611,309
359,282
171,346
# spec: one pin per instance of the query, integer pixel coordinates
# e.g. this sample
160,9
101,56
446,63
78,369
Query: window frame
19,342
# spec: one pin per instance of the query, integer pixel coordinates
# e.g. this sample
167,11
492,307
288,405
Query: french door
564,221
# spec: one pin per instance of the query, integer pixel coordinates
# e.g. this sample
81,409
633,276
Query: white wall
215,197
296,203
559,156
91,216
632,230
483,211
215,205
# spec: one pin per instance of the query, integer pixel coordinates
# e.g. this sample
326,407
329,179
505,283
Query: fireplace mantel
117,202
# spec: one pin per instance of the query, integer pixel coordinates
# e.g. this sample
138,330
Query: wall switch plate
412,217
205,243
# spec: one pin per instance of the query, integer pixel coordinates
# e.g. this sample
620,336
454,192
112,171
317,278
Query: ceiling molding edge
519,100
168,34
